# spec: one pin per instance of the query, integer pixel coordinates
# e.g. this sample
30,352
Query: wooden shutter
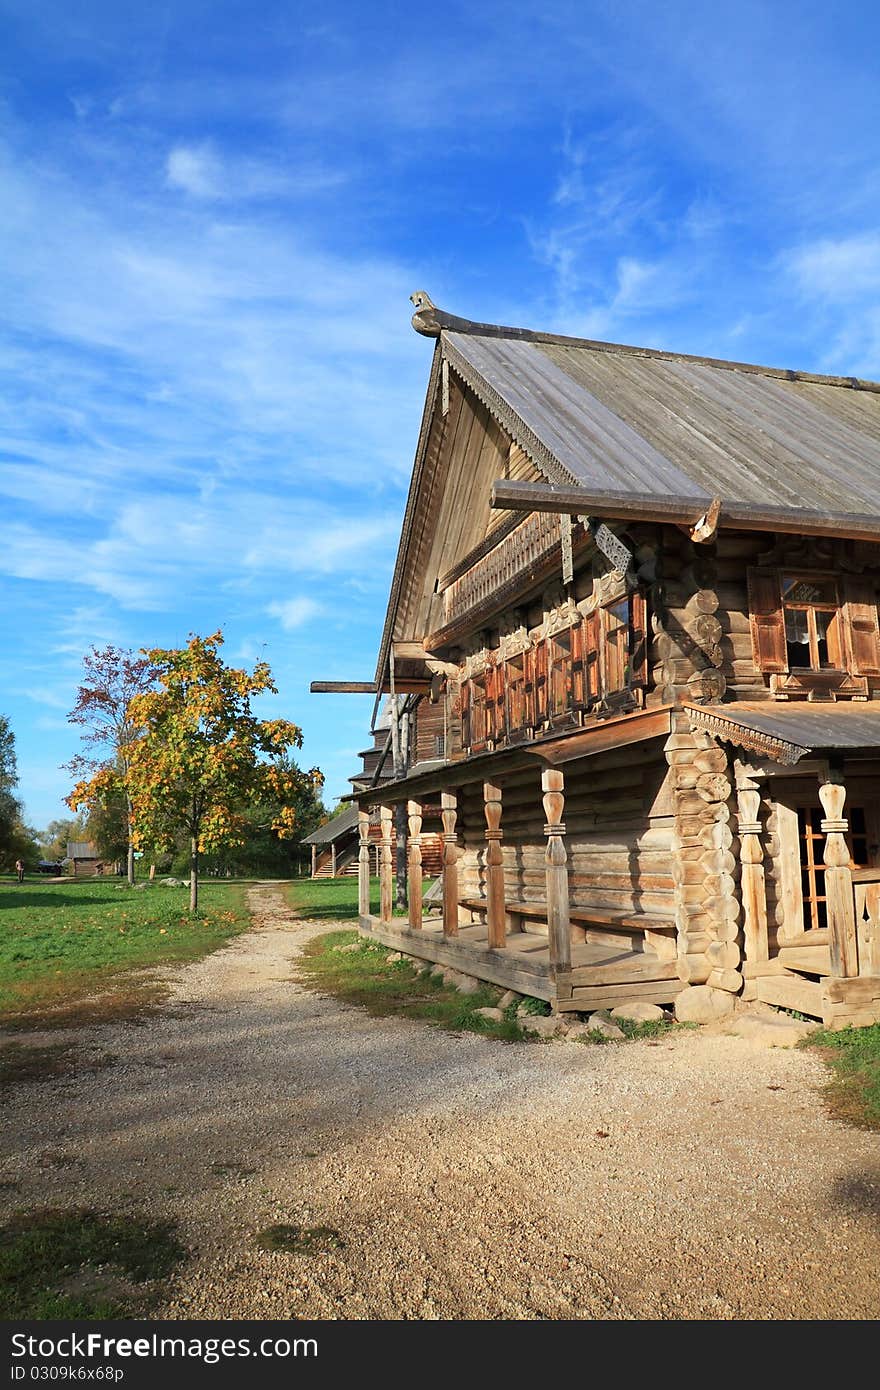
540,681
590,630
638,640
767,620
464,703
861,625
578,675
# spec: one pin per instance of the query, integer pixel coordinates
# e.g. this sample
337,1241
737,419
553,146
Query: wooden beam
449,816
608,733
556,871
754,891
496,914
386,872
364,864
414,864
839,897
342,688
646,506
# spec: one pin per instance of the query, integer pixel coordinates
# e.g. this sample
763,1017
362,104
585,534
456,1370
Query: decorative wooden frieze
449,816
386,868
364,864
560,612
839,899
556,870
514,638
610,587
414,863
496,912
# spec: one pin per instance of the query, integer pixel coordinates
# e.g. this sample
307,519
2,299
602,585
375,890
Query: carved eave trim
729,731
507,417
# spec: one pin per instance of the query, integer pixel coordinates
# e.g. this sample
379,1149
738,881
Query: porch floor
601,976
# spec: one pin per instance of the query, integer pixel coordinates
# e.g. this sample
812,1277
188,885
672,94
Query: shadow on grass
853,1093
78,1263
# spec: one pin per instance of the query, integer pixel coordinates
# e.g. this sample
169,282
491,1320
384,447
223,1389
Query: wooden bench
592,920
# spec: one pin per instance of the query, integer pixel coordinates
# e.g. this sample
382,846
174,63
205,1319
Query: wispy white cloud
201,171
293,612
840,269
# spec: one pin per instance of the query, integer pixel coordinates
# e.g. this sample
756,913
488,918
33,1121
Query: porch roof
552,749
334,828
788,732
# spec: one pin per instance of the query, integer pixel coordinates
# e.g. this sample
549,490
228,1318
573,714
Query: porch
576,921
601,975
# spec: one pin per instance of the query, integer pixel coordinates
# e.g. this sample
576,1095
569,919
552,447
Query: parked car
46,866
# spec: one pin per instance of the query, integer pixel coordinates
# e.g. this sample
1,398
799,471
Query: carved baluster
556,861
414,861
314,859
333,859
449,816
364,864
754,893
496,914
839,900
386,871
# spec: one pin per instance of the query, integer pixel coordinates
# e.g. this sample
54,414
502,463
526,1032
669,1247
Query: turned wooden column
556,861
333,858
364,864
386,867
496,912
449,816
314,859
751,853
839,900
414,864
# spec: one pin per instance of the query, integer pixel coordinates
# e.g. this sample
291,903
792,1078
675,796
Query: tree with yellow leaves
202,757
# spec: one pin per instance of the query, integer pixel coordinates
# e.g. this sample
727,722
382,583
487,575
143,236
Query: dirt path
693,1178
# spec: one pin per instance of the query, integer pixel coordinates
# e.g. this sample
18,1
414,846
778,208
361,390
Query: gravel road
695,1177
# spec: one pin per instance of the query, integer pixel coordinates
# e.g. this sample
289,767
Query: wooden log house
644,588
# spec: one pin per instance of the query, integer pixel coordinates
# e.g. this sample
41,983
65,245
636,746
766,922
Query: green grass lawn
365,977
853,1055
334,898
83,1264
63,942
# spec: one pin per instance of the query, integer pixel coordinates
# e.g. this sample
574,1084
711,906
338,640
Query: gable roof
625,419
621,419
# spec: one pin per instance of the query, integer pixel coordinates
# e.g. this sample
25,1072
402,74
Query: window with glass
812,845
811,607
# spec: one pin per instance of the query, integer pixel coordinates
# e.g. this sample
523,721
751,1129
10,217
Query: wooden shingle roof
624,420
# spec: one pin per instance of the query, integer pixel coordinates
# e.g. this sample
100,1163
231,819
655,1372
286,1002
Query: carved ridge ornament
728,731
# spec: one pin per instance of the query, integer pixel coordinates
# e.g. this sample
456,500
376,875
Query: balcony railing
512,559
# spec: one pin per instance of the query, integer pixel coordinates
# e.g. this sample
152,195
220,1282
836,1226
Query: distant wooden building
85,860
656,659
336,843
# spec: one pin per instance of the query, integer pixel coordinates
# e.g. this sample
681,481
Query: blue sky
211,218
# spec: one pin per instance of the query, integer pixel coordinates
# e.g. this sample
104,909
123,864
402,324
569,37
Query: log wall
619,834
